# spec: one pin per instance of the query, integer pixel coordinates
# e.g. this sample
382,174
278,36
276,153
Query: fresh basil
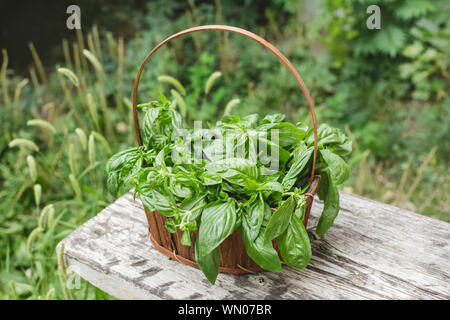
337,166
157,199
186,238
170,225
253,220
218,222
233,183
208,263
330,194
294,245
122,167
301,160
262,252
279,220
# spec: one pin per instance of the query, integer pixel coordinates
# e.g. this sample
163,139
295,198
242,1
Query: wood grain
373,251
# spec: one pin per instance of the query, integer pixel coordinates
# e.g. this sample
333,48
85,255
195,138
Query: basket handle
249,35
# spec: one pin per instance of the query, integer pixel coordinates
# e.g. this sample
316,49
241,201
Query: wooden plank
373,251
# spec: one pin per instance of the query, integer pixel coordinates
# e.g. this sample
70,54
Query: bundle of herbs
242,174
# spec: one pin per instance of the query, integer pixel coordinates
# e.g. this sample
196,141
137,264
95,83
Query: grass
59,128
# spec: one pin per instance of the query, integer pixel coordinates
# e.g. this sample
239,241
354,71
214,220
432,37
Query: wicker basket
234,258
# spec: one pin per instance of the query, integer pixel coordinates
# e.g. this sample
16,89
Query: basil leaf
269,151
217,223
159,160
113,181
155,199
190,203
253,220
271,186
148,124
260,251
227,168
176,120
160,124
331,138
181,190
170,225
330,194
211,178
234,170
279,220
326,135
294,244
338,167
273,118
299,164
208,263
122,167
249,121
344,148
186,238
300,208
286,133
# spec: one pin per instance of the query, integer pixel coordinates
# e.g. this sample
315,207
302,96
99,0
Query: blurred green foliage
387,88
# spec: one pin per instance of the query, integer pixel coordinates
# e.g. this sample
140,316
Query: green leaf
159,125
170,225
190,203
155,199
270,149
253,220
330,194
186,238
217,223
342,149
182,185
271,186
300,208
286,133
122,159
211,178
149,124
273,118
234,170
338,167
390,40
279,220
242,165
414,9
122,167
330,138
326,135
294,244
297,167
159,160
260,251
208,263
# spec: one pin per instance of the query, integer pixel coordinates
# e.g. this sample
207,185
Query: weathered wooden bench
373,251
